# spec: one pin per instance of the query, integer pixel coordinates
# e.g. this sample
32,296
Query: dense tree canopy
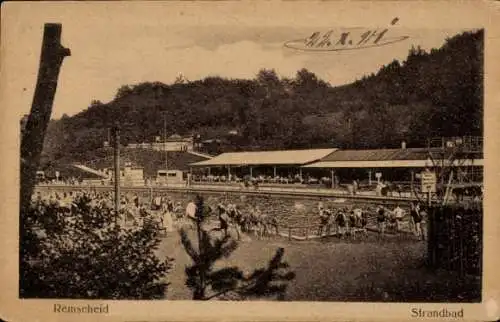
438,93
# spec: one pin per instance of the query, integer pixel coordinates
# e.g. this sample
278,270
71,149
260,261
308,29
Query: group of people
395,218
343,221
169,214
235,217
350,221
133,211
67,200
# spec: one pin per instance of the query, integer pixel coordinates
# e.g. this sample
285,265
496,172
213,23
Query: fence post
431,238
446,241
461,247
454,239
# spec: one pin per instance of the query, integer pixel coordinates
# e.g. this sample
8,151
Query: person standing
178,210
191,213
156,204
414,218
398,214
167,210
224,219
381,220
419,222
341,222
324,217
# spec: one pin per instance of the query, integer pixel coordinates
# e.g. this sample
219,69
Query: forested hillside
429,94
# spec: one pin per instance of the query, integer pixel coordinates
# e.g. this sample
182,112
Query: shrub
83,252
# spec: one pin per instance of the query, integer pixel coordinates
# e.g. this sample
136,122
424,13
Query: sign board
428,181
57,174
378,175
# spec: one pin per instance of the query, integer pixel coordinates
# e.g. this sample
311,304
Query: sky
113,46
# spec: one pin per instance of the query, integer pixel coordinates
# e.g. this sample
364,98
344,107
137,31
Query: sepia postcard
249,160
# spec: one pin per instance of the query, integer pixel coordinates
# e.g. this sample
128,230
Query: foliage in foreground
230,283
83,253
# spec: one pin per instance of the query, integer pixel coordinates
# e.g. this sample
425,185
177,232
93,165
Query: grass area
389,270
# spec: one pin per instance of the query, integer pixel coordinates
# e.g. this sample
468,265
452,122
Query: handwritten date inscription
346,39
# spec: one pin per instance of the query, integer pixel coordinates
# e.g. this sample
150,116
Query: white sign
57,174
378,175
428,181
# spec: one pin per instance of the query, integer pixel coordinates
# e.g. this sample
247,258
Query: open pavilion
392,164
255,163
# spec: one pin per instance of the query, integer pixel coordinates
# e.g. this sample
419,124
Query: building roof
89,171
377,155
387,158
72,170
201,154
387,164
282,157
387,154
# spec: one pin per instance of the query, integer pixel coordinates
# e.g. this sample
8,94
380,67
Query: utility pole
116,132
165,145
109,153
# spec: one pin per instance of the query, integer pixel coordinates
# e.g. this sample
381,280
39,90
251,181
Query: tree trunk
51,59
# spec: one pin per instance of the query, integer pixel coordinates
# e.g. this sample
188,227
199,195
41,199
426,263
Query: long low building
344,165
391,158
256,160
397,164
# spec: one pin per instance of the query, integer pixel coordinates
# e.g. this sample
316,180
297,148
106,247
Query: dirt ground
329,269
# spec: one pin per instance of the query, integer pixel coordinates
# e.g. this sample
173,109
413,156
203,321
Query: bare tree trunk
51,60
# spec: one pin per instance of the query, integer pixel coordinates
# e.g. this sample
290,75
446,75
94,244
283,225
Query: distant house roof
381,158
282,157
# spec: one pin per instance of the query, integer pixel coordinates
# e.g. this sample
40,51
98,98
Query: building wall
133,176
129,176
185,144
173,176
173,146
